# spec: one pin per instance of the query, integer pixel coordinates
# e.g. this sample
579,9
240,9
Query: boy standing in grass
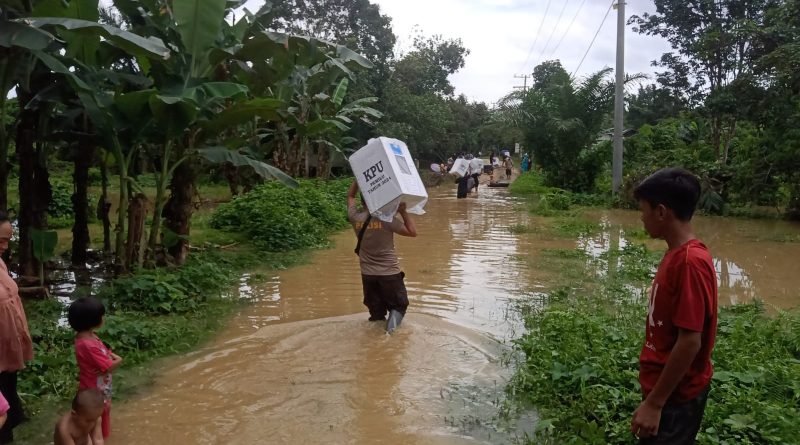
95,359
675,363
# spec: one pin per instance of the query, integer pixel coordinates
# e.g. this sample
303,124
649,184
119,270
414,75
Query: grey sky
499,34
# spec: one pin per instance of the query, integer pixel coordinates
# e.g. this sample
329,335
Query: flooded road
303,365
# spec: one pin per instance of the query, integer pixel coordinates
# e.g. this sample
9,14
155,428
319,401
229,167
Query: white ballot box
460,168
476,166
386,177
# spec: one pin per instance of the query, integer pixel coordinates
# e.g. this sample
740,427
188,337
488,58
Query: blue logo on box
396,149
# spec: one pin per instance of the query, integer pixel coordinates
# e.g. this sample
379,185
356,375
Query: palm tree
562,118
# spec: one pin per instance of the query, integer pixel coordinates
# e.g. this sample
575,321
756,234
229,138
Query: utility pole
524,87
619,100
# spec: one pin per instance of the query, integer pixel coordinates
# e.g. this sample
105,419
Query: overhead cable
578,11
594,38
549,38
539,32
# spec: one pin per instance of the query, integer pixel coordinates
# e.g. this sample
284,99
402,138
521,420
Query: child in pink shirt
95,359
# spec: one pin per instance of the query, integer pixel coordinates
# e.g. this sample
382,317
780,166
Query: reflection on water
750,261
303,365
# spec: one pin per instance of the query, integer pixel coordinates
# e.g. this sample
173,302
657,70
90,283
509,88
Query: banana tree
31,34
190,90
310,76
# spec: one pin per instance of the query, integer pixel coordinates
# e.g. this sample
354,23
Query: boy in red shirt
675,363
95,359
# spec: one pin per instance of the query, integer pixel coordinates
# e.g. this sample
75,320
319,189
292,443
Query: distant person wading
381,276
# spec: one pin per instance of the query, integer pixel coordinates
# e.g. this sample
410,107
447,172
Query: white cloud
499,35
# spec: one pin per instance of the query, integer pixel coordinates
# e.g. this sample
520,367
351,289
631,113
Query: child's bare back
82,425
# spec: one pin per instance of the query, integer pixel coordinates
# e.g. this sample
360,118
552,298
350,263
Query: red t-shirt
684,295
94,360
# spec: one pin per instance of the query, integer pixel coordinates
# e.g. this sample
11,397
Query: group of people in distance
89,420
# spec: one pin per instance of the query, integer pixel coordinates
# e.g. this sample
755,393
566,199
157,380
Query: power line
561,40
530,51
593,39
524,87
558,22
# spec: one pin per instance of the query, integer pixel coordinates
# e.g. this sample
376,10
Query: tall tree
357,24
714,41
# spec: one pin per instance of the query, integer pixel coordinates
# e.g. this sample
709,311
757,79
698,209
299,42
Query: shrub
278,218
165,291
61,199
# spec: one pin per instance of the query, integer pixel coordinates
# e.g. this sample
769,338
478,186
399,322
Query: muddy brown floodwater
302,365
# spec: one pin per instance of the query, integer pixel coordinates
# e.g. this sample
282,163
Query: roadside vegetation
159,312
723,105
577,362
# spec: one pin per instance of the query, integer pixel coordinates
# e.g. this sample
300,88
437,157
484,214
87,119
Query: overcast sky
501,33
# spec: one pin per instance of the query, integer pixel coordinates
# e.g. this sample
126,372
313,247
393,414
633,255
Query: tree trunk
716,135
293,158
793,207
120,263
728,141
80,199
231,173
323,161
5,134
180,207
34,183
137,213
305,157
104,208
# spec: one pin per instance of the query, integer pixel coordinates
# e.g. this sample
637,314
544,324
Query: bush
166,291
60,211
61,199
278,218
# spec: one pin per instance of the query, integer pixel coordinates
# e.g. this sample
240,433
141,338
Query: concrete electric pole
619,100
524,87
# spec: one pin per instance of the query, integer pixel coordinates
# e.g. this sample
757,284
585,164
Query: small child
82,425
675,363
95,359
3,410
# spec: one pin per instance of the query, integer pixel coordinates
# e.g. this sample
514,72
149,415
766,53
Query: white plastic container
460,168
386,177
476,166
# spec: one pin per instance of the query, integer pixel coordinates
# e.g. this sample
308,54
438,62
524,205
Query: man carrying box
381,277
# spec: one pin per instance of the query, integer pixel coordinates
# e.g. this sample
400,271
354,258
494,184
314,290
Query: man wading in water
381,277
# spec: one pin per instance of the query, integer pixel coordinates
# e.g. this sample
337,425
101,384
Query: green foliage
548,201
151,314
361,25
44,244
562,119
61,199
580,361
170,291
277,218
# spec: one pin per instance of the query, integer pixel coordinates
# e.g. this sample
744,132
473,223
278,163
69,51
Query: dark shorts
679,422
383,293
508,172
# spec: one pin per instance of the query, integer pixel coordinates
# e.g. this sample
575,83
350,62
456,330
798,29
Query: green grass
578,363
